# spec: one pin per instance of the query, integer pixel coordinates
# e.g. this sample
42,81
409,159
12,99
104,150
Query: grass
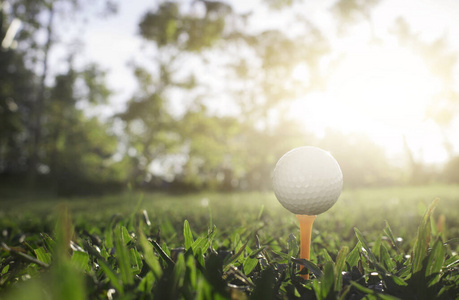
386,243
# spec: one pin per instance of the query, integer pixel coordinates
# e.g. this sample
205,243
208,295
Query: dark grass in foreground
127,257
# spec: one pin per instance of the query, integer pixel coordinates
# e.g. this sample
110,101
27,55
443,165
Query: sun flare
383,92
389,86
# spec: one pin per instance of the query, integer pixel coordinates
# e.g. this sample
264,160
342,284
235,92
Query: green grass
375,243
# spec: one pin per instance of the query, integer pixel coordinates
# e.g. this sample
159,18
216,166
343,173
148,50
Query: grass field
221,246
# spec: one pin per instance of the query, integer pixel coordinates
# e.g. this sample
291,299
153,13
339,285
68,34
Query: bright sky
382,91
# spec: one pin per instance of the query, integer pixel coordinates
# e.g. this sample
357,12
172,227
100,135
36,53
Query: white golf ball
307,180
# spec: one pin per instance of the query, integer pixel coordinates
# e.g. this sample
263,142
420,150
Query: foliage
189,32
223,151
151,131
78,149
351,11
212,104
451,170
362,161
213,142
127,256
16,90
153,134
42,130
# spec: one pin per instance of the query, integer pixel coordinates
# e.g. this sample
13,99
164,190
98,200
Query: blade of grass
49,242
371,292
149,256
260,213
42,255
179,272
146,284
368,253
390,235
386,259
325,255
111,276
423,238
122,256
201,242
80,260
249,264
24,257
293,248
309,265
339,266
126,237
436,258
376,247
71,284
365,245
135,260
187,235
353,257
253,254
327,281
236,255
162,254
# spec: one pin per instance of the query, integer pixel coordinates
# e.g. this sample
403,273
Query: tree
151,130
178,34
16,90
78,149
222,149
263,87
37,55
45,132
212,146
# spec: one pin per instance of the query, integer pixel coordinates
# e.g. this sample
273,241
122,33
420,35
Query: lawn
236,245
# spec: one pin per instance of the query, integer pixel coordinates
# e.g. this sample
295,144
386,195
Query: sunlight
383,92
390,86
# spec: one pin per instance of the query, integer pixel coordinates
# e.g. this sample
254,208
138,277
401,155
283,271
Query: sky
381,91
384,91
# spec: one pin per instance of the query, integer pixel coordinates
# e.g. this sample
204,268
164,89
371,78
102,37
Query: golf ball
307,180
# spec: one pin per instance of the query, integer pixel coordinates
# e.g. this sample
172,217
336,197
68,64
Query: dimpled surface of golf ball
307,180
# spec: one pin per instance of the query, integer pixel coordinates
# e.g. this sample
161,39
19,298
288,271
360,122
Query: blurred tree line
47,140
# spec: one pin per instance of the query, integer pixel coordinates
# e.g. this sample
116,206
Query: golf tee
305,237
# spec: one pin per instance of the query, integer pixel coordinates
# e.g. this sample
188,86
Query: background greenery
50,140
